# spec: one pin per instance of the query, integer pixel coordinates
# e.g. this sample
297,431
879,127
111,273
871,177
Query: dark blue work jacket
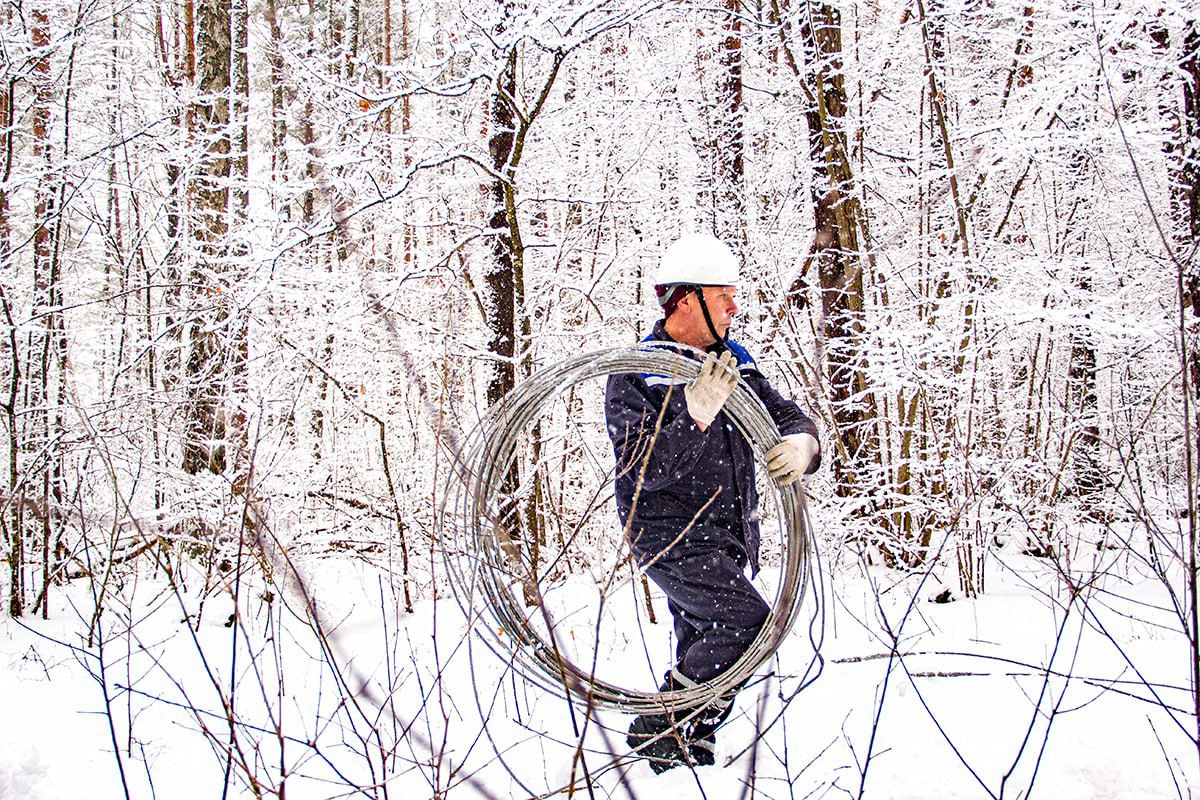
688,490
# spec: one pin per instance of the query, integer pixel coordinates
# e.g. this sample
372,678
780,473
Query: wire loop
490,572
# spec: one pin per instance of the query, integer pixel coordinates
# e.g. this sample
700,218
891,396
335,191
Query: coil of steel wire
485,568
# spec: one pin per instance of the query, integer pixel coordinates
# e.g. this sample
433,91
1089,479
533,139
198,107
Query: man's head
695,284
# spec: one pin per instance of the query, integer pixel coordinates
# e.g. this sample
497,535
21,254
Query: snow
1069,677
966,711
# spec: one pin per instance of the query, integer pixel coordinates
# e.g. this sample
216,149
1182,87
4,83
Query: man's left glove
792,457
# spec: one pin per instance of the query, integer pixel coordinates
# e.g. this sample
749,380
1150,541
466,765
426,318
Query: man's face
686,323
721,305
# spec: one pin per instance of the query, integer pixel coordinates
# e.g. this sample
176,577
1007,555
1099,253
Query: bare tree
11,519
215,366
1187,220
811,38
720,139
35,468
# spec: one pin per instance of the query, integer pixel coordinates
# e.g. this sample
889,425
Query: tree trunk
1185,169
34,429
10,519
1186,208
1083,442
216,356
723,149
502,313
279,102
509,326
503,307
239,99
837,221
408,244
1082,401
1189,174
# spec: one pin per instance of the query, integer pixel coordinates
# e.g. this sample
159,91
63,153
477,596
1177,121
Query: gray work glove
712,387
791,458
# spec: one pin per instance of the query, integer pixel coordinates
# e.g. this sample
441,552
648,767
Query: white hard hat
700,260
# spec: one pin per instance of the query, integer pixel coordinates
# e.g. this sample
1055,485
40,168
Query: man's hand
712,387
791,458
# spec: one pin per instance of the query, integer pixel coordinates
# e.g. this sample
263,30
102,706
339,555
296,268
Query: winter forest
264,267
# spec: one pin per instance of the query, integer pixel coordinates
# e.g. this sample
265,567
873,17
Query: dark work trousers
717,611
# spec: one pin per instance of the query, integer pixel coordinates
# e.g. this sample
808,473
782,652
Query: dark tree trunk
34,424
502,310
509,324
835,250
728,151
10,519
215,362
501,283
1189,181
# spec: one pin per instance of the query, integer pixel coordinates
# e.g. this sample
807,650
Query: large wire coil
485,569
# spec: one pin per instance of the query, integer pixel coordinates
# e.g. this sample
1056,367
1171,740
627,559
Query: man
685,490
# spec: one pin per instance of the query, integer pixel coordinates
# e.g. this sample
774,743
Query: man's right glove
707,394
792,457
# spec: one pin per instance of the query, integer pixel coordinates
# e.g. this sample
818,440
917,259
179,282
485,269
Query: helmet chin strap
720,340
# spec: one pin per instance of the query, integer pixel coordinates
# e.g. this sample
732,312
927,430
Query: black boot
702,741
703,751
659,740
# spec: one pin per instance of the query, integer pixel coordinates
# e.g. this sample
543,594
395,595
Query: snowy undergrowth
1030,690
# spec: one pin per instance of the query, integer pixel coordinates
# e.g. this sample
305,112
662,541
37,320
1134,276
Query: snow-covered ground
916,698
